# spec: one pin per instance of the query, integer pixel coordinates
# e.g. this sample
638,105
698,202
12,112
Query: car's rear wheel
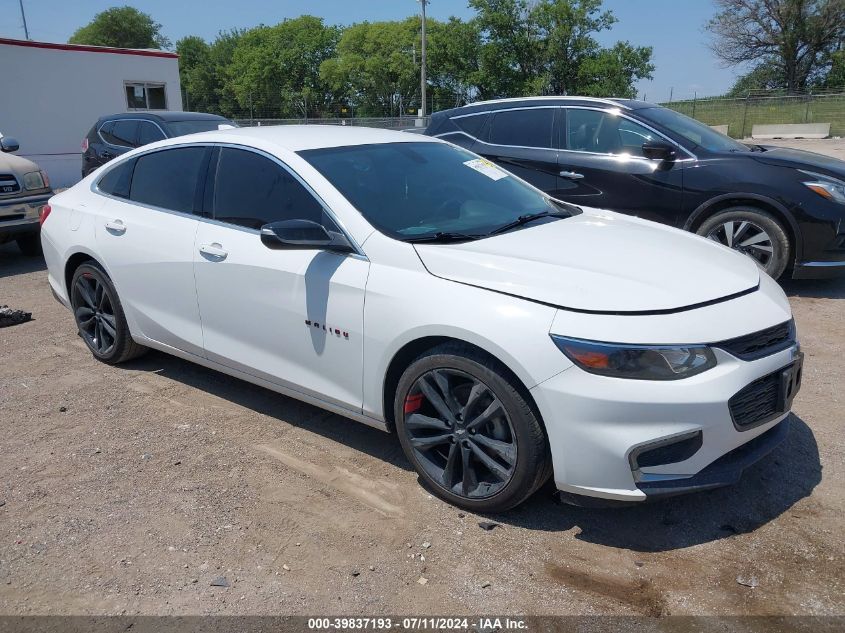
753,232
99,316
30,244
468,431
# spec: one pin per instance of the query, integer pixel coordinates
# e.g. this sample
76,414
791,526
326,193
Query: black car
783,207
116,134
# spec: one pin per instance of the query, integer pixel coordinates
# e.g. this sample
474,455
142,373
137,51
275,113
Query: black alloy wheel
470,430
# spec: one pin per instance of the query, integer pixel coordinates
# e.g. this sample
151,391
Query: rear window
169,178
116,182
527,128
122,133
180,128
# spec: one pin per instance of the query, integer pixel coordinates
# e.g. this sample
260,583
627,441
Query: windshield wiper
529,217
442,236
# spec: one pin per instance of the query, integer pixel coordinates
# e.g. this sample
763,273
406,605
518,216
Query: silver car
24,190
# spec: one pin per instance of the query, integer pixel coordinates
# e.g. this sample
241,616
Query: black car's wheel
468,431
99,316
30,244
752,232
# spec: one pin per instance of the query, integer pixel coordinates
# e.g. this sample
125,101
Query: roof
166,115
485,106
297,138
84,48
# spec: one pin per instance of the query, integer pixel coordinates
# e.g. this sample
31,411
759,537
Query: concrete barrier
791,130
721,128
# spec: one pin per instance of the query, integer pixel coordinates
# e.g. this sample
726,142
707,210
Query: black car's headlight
826,187
639,362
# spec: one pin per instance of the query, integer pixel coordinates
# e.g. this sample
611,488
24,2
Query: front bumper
597,425
20,215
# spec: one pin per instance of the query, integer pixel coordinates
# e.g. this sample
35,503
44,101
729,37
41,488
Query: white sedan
410,285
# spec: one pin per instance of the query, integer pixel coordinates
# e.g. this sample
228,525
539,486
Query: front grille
9,218
8,184
762,343
757,402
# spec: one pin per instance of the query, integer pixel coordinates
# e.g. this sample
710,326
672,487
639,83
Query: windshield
692,130
180,128
415,190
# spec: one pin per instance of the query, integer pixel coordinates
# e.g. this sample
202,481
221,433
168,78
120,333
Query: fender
704,207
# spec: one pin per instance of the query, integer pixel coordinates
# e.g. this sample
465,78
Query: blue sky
674,28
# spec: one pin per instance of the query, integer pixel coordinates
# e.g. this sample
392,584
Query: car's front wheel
99,316
468,430
753,232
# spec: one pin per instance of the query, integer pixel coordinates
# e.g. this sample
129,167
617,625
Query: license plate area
768,397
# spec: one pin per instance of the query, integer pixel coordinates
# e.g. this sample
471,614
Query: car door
145,235
292,317
602,165
521,141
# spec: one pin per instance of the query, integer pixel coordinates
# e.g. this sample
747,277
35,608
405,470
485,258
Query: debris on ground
751,581
220,581
422,580
485,584
487,525
10,316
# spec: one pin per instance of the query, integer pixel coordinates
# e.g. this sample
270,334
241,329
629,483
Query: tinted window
105,131
605,133
251,190
529,128
180,128
116,181
148,133
123,133
692,130
472,125
391,186
169,178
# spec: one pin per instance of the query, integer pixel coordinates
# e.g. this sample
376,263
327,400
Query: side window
148,133
605,133
169,178
105,131
124,133
116,182
251,190
530,127
472,125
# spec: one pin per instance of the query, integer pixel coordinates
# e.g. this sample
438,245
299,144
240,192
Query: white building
53,93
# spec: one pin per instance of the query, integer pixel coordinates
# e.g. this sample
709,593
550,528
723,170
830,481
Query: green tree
374,67
835,79
275,70
764,76
453,66
795,36
123,27
547,47
203,71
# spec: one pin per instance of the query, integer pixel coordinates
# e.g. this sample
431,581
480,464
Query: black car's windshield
692,130
421,190
181,128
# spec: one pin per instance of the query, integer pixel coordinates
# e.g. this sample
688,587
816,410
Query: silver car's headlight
34,180
639,362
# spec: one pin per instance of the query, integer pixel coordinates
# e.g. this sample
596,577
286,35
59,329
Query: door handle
116,227
572,175
214,251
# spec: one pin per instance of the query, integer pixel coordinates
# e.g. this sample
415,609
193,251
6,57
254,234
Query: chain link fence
742,114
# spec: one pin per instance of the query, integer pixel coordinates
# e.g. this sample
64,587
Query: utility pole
26,30
422,59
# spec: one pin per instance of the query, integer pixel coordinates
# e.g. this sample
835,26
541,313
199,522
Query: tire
99,316
747,224
512,437
30,244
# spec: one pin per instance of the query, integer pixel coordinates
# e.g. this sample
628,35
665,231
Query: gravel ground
133,489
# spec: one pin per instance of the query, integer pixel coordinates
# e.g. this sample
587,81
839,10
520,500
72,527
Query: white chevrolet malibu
408,284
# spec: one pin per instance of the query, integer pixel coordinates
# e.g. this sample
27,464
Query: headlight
34,180
639,362
826,187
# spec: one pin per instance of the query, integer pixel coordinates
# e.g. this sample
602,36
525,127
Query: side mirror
303,235
8,144
659,150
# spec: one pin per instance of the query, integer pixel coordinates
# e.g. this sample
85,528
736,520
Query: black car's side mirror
8,144
303,235
658,150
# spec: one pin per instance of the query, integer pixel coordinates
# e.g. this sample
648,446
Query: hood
598,261
16,164
801,159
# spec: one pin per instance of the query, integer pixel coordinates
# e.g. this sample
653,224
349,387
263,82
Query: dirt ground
132,489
